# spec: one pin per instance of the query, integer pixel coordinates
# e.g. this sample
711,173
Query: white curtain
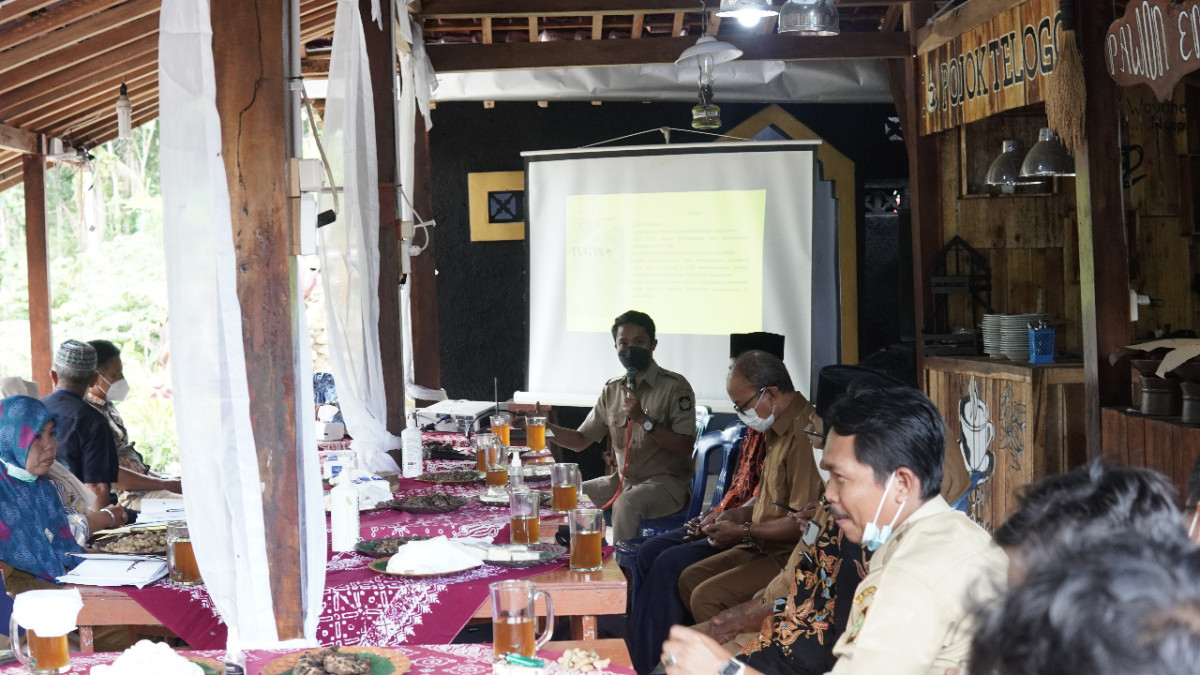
221,482
219,462
349,247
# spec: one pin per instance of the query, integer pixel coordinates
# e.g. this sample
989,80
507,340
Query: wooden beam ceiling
96,46
523,55
72,34
61,83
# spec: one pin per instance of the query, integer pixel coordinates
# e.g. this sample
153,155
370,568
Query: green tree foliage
107,277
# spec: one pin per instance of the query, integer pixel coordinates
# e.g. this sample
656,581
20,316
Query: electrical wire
312,123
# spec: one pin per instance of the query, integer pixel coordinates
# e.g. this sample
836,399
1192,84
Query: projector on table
457,415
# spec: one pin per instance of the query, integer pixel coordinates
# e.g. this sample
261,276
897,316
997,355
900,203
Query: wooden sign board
998,65
1156,43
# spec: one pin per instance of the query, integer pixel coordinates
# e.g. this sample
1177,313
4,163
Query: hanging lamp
124,115
809,17
1048,157
704,56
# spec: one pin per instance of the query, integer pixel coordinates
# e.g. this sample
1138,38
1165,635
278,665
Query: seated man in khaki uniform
913,612
656,414
759,536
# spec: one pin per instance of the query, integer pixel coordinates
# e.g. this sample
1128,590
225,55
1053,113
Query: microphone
631,376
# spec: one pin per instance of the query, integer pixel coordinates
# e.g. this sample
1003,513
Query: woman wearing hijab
35,537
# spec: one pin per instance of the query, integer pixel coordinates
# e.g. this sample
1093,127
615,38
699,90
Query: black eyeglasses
741,408
815,434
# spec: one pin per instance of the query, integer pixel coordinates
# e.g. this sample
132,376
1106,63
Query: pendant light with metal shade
746,11
809,17
1005,171
704,56
124,115
1048,157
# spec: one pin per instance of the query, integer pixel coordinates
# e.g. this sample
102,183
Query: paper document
160,510
104,569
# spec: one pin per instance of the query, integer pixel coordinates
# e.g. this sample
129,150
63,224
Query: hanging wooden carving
1156,43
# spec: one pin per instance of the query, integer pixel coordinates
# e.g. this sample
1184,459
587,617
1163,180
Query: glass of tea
523,504
48,617
535,432
513,618
501,425
565,485
587,530
482,441
497,468
181,557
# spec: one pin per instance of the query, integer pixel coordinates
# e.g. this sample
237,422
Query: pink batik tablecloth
473,659
362,606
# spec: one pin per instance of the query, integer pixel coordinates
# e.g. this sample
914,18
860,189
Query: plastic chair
703,417
726,445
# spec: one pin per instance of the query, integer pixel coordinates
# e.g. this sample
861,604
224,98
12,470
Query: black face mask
637,358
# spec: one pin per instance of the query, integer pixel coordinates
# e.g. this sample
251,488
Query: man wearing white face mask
759,536
913,613
135,481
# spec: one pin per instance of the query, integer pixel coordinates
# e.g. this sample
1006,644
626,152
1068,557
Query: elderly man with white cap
85,443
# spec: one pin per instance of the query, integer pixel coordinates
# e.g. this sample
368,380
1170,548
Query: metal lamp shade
746,8
721,52
1005,170
1048,157
809,17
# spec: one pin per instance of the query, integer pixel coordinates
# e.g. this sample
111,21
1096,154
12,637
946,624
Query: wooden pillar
924,185
382,56
427,370
250,62
37,257
1103,251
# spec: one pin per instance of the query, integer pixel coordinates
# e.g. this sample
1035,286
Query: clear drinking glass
525,527
535,432
482,441
497,468
587,530
501,425
513,618
48,616
181,557
565,486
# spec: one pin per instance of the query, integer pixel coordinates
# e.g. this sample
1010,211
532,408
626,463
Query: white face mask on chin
117,391
873,537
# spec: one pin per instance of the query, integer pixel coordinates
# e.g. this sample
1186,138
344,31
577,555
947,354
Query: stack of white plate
1014,335
991,335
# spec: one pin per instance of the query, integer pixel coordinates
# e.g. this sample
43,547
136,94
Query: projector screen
708,239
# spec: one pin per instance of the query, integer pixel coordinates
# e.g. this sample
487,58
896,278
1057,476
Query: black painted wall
483,287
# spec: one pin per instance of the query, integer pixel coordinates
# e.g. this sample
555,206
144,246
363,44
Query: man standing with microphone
650,419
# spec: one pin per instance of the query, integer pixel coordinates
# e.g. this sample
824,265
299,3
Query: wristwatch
732,667
649,425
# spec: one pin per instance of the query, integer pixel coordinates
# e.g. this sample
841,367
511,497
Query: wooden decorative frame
503,190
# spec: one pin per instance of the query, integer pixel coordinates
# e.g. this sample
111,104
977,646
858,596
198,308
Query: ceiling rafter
65,81
103,90
110,77
99,44
17,32
73,34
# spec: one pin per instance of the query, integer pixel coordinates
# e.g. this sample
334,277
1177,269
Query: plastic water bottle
411,455
343,517
516,477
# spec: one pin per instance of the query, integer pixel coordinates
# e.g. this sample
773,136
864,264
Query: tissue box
330,431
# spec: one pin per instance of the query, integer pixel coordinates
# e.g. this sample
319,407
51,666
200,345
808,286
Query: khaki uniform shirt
789,474
912,614
668,399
